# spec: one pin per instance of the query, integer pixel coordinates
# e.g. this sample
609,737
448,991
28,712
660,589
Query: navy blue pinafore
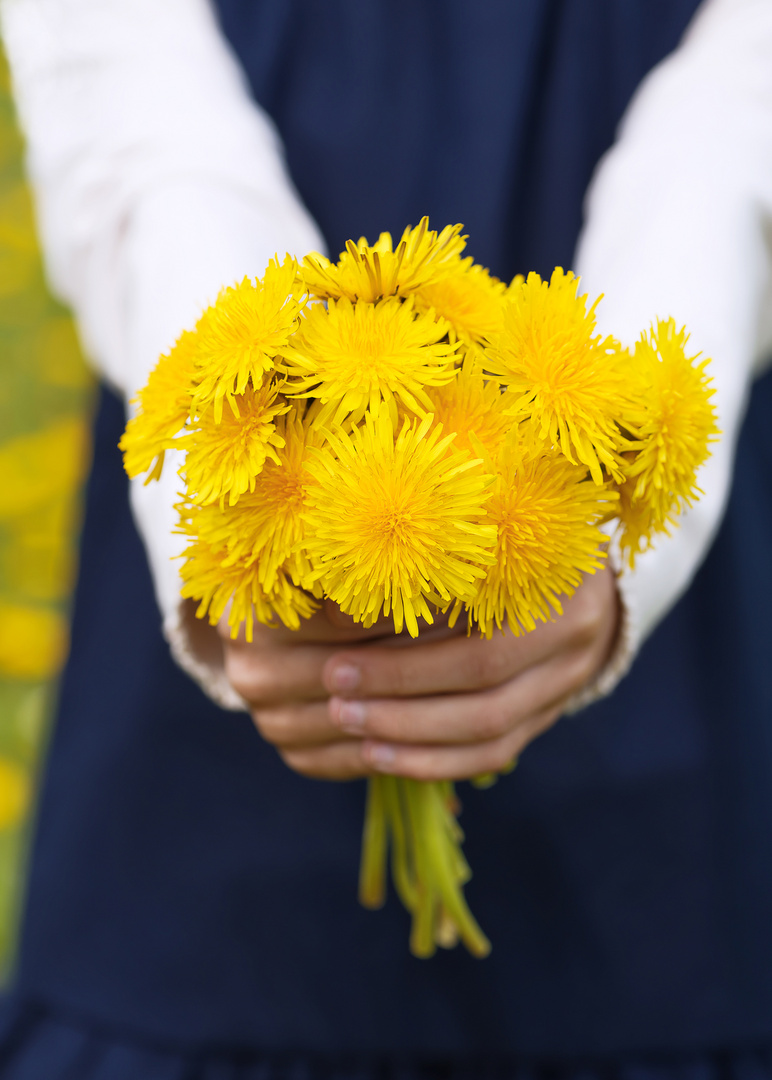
192,905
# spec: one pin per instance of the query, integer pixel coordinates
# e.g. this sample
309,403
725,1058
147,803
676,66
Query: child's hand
445,706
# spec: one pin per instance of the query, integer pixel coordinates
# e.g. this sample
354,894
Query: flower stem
372,868
402,859
416,819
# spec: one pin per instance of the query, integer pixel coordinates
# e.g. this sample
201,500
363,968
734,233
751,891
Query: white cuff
196,647
626,645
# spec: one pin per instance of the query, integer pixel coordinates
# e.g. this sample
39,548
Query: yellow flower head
240,335
474,408
216,579
396,522
675,423
226,455
353,356
42,467
467,296
638,522
369,272
164,408
15,793
266,526
545,511
564,376
33,641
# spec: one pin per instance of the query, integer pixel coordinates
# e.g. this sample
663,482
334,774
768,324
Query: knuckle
236,670
491,720
588,614
301,763
487,663
499,760
580,668
248,674
261,720
503,753
319,764
549,718
275,725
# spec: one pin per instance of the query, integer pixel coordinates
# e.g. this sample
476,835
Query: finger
333,761
461,718
280,674
459,664
297,725
456,762
272,668
452,665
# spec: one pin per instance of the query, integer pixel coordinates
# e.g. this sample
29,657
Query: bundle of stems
414,822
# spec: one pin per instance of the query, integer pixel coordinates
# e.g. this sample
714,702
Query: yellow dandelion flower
396,522
164,407
369,272
564,376
353,356
225,456
41,467
33,641
468,296
474,408
211,576
545,510
638,522
15,793
240,335
266,527
675,423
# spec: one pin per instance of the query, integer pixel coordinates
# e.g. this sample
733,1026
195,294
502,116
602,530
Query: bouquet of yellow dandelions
404,434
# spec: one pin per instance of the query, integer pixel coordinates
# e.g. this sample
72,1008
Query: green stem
443,855
416,820
422,937
372,869
402,852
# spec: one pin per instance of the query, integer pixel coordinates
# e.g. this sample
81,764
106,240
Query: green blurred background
45,399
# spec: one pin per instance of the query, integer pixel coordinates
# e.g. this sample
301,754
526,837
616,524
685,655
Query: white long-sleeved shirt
158,179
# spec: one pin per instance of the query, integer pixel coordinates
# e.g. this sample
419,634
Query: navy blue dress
192,905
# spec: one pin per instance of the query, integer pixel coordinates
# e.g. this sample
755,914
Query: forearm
157,181
678,219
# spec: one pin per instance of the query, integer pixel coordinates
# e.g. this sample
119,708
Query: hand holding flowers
339,702
401,436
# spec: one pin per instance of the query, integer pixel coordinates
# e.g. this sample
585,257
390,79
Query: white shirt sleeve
678,222
157,180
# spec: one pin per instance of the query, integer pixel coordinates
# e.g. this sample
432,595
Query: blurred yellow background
45,398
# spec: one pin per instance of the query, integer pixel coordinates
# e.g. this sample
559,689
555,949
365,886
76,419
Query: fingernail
345,677
381,756
352,716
